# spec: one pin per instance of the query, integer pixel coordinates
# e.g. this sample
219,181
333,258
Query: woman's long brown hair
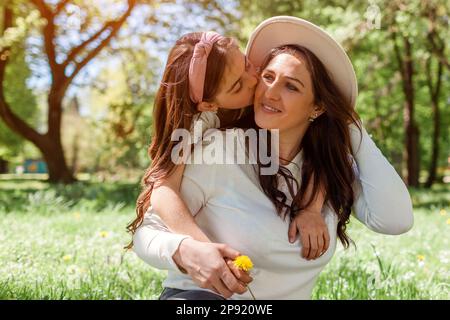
327,151
173,109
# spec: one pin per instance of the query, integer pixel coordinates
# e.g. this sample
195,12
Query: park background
77,82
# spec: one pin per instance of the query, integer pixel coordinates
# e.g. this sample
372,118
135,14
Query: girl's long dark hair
173,109
327,152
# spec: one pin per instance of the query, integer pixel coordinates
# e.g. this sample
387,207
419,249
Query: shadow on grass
438,197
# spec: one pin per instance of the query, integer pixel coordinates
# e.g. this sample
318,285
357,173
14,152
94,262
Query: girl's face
238,85
284,97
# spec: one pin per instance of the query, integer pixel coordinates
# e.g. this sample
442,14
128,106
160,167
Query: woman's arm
166,201
382,201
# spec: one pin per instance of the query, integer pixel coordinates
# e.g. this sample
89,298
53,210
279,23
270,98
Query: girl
206,74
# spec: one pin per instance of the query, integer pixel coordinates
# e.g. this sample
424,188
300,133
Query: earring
311,119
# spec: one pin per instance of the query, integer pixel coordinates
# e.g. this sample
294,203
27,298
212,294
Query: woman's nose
272,91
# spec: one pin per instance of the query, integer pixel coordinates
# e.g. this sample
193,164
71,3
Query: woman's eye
267,77
291,87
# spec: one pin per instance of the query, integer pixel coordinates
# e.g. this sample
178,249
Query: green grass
66,242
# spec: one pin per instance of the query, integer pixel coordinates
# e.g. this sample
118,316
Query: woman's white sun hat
284,30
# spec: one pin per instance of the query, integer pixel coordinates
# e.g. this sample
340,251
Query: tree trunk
75,151
54,157
411,128
3,165
52,149
435,91
412,151
435,145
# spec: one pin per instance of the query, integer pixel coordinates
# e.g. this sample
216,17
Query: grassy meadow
66,242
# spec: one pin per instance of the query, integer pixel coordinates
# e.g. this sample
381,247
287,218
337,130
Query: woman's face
238,85
284,97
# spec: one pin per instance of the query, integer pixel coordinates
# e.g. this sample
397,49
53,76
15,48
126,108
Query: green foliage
22,101
381,100
124,133
43,199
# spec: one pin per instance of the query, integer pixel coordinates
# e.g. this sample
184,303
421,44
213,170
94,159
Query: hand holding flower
244,263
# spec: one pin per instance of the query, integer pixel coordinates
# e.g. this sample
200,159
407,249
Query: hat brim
284,30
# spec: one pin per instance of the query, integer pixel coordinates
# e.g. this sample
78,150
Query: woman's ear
207,106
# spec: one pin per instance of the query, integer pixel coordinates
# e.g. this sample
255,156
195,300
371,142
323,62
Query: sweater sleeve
382,201
153,242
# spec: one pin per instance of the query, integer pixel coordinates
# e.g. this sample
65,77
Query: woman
307,91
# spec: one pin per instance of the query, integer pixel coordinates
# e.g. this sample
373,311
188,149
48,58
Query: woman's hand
313,231
207,266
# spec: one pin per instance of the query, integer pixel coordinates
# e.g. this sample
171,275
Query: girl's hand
243,277
313,231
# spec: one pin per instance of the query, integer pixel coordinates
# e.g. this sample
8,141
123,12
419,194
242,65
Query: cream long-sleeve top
230,207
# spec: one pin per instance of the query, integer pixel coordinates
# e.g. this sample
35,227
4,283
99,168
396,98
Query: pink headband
197,68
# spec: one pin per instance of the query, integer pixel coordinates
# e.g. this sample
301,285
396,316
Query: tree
62,74
406,67
437,48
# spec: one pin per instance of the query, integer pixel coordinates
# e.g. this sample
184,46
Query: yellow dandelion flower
77,215
67,257
448,221
243,263
443,212
420,257
104,234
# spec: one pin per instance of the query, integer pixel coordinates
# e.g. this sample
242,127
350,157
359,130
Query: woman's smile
268,108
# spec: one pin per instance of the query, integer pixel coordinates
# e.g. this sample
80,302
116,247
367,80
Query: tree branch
397,53
45,10
438,50
12,121
49,36
430,13
76,50
437,88
60,6
433,88
114,26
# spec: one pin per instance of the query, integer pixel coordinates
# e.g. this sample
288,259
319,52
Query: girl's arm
204,262
167,203
382,201
311,226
